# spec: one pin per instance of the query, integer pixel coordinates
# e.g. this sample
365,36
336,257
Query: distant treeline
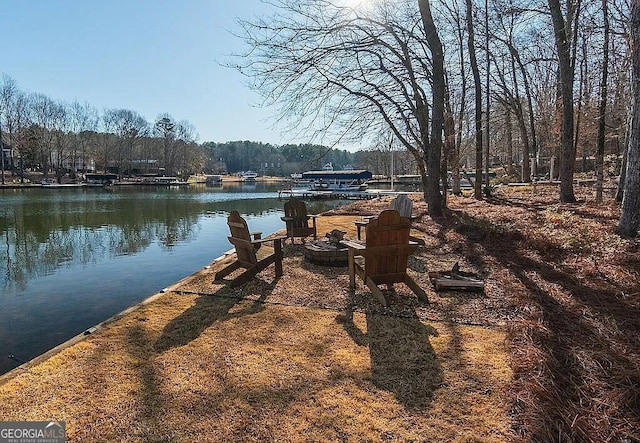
60,139
236,156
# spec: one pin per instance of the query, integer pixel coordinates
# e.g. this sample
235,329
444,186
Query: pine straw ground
549,352
571,288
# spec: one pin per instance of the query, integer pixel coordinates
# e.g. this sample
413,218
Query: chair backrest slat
296,210
384,234
402,204
297,219
241,238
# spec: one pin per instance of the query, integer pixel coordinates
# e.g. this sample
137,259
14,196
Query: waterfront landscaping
548,352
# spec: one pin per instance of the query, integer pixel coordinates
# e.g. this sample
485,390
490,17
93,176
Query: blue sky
148,56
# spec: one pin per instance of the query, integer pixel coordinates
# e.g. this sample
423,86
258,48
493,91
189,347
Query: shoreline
216,262
174,287
194,180
24,367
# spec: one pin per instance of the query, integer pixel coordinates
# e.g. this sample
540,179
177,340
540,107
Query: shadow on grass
358,336
140,347
207,310
402,359
575,341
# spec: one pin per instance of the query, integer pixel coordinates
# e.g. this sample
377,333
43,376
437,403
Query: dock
309,194
329,194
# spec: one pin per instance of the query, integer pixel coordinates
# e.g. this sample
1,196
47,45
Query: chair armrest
268,239
285,219
365,220
256,235
353,245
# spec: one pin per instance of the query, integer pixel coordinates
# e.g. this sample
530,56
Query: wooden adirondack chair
383,258
402,204
297,220
250,255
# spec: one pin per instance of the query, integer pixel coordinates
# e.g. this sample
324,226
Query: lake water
74,257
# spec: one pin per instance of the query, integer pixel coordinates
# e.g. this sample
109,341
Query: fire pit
329,252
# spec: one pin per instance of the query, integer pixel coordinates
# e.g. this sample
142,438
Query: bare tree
434,146
511,17
16,122
602,108
487,119
623,167
107,136
454,125
188,159
61,139
42,110
508,91
629,223
129,126
84,124
8,92
477,188
338,71
166,128
564,25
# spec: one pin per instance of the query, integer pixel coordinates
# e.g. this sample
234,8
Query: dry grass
574,286
256,372
304,359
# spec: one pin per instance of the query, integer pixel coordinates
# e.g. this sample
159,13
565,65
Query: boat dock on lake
335,194
314,194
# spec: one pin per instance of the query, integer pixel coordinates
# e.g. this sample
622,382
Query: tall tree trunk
516,105
563,37
461,112
581,87
534,137
487,164
524,136
603,104
629,223
509,130
477,188
527,149
623,167
434,197
449,155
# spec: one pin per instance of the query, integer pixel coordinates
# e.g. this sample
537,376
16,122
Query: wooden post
352,268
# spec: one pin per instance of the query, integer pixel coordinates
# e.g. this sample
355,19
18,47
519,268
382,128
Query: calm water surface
72,258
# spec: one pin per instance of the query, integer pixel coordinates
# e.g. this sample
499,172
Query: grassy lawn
214,368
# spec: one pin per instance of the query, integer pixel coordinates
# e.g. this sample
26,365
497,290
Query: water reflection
72,258
44,235
45,232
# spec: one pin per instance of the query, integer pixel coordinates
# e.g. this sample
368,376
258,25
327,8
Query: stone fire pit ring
323,253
